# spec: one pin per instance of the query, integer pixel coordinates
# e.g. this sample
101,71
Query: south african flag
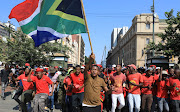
46,20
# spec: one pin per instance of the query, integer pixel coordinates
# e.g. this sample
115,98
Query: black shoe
3,98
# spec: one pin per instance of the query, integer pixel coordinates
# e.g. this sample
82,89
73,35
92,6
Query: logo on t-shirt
178,91
132,81
118,83
24,79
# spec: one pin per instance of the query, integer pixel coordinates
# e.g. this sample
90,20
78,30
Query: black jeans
77,99
92,109
175,105
18,93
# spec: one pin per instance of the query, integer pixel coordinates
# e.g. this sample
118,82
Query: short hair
78,66
95,66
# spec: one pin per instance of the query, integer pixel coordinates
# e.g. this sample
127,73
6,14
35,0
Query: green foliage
21,50
170,44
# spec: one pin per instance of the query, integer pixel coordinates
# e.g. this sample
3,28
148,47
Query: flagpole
86,25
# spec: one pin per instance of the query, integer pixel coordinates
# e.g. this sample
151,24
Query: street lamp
153,10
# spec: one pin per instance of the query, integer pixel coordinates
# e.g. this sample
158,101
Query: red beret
39,70
27,64
132,65
99,65
153,66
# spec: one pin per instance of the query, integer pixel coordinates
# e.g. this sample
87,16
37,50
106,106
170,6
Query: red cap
47,69
100,66
132,65
153,66
56,67
39,70
27,64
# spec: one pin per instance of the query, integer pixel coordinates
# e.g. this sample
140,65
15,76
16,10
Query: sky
103,16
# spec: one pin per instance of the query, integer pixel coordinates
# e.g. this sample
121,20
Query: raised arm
92,58
160,77
29,76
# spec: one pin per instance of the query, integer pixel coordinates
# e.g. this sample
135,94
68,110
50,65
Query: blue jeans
163,102
3,86
68,101
51,100
134,100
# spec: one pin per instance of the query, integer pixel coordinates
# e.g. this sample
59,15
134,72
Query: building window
147,40
148,26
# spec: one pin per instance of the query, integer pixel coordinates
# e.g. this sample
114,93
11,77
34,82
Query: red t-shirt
137,79
26,85
147,81
68,81
175,91
105,73
162,89
117,81
77,82
112,72
42,85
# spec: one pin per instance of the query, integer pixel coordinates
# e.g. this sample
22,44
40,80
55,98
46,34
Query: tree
170,44
21,50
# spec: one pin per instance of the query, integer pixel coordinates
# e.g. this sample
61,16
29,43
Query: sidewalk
10,105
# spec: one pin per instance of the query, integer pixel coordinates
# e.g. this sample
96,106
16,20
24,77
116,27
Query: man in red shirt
174,85
42,89
117,80
135,81
147,97
162,91
78,89
27,88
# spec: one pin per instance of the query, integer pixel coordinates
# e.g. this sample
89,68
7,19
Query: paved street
9,105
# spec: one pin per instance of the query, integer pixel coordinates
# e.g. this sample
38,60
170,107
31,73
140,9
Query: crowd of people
92,88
